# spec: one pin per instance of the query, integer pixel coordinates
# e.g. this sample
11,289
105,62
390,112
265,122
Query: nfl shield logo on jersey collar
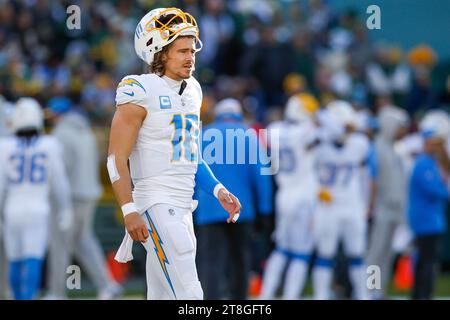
164,102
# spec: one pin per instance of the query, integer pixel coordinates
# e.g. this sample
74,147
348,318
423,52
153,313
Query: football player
296,196
342,206
155,127
31,168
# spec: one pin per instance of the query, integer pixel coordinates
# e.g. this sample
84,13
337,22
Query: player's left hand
230,203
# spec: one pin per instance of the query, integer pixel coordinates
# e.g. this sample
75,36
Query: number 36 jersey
163,161
30,171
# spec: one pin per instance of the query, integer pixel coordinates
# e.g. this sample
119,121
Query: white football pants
171,248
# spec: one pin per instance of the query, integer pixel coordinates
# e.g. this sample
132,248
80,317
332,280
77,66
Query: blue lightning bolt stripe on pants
171,248
159,250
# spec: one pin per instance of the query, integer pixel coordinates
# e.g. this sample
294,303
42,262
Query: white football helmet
301,107
435,123
228,106
160,27
27,114
342,112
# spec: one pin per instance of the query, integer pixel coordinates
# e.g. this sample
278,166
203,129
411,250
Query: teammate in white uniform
155,127
31,168
295,198
341,211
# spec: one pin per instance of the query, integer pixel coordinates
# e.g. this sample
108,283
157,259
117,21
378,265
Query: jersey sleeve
131,90
205,178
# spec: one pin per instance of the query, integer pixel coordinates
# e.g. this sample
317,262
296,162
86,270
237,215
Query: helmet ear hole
149,42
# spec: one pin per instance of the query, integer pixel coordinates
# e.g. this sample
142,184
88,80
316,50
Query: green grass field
136,290
441,290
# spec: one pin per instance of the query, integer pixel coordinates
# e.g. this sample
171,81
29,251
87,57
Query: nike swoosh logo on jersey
131,94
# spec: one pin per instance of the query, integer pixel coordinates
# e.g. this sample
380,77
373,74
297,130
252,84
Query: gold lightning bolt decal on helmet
160,27
159,250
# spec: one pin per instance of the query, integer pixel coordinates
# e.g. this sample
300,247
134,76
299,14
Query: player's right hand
136,227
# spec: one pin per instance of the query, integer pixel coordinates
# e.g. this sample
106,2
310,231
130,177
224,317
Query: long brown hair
158,65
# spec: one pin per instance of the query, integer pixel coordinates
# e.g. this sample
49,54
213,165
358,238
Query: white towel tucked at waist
125,252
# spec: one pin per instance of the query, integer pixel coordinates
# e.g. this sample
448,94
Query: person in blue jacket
230,147
428,196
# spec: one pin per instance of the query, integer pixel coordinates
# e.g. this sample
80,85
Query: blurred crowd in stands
257,51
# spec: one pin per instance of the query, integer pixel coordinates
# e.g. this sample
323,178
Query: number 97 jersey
163,161
340,170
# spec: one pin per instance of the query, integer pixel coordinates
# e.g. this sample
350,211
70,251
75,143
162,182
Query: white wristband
128,208
217,189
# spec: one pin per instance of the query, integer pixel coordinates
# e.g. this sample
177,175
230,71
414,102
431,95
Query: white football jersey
341,171
163,161
295,162
30,171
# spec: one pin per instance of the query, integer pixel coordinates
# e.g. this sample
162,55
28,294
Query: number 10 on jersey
184,146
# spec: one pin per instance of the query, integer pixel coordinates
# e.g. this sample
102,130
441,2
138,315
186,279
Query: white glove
65,220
